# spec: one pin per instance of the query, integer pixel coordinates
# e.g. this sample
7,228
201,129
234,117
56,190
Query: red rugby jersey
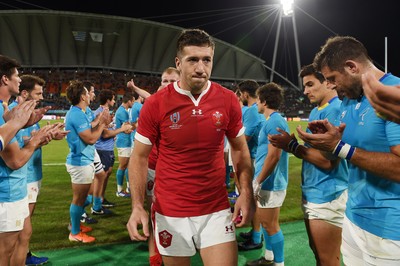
190,171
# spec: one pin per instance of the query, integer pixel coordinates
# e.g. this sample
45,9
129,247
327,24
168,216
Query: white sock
119,188
279,263
269,255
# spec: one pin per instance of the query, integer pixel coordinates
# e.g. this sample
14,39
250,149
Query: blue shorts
107,158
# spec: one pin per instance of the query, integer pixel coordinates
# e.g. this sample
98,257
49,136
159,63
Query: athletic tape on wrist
293,145
344,150
1,143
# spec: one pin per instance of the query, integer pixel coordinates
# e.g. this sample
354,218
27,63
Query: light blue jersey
13,186
244,109
319,185
374,202
134,115
278,180
80,153
34,165
123,140
104,144
252,123
90,114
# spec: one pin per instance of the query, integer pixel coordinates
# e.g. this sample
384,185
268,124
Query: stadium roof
60,39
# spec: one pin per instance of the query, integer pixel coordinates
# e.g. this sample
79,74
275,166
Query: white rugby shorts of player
124,152
331,212
81,174
360,247
181,236
271,199
13,214
33,191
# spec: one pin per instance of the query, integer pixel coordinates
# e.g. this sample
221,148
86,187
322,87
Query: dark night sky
251,24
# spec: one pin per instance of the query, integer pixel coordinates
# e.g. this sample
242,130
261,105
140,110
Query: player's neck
268,112
329,96
251,101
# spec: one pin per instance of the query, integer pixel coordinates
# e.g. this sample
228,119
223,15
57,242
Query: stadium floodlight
287,10
287,6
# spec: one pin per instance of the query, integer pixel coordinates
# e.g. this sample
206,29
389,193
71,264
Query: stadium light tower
287,7
287,11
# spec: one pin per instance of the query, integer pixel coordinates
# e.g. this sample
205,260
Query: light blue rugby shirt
13,186
104,144
34,165
278,180
77,121
123,140
319,185
374,202
134,115
252,123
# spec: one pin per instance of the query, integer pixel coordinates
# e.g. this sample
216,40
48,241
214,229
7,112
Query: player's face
195,65
36,94
243,97
346,84
13,83
92,94
260,106
130,102
314,89
112,102
168,78
86,97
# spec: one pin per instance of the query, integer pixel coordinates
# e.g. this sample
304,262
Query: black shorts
107,158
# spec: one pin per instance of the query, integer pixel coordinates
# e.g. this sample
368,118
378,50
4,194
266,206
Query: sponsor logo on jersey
175,117
197,112
165,238
361,115
343,114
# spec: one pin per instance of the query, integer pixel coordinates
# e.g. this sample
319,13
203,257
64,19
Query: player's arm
270,162
91,135
383,164
110,133
138,165
242,164
16,157
385,99
142,93
290,144
102,117
17,118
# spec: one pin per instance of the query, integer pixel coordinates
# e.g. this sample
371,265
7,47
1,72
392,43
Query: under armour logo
229,229
197,112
